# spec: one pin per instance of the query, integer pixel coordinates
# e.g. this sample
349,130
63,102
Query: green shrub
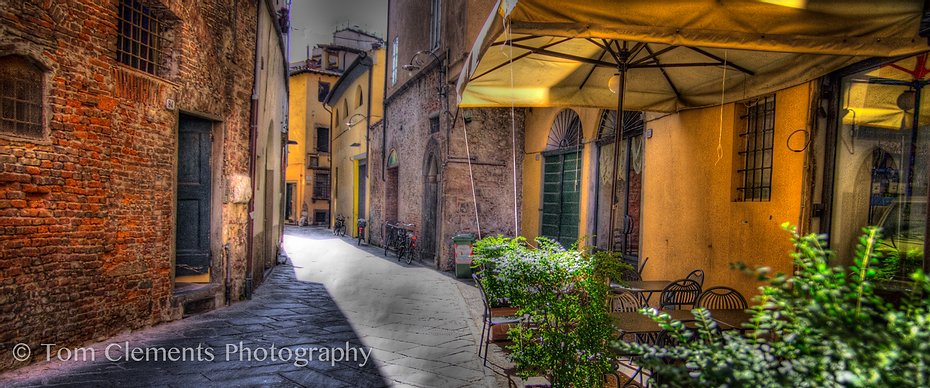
566,334
824,326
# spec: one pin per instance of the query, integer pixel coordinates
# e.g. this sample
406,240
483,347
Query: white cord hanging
513,135
471,177
723,89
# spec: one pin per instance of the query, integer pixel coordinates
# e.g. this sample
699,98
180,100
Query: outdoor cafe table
644,329
644,288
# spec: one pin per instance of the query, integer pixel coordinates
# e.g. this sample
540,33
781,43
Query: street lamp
355,119
417,63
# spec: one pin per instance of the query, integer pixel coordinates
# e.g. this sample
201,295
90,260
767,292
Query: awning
562,53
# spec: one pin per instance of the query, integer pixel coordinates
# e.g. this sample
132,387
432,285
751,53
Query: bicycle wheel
410,253
401,253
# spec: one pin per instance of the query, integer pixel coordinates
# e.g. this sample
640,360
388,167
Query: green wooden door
561,197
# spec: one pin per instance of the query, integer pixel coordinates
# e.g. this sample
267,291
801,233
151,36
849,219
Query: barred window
141,40
22,87
755,142
434,124
321,185
322,139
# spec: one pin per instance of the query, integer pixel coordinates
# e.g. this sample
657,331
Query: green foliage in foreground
562,295
824,326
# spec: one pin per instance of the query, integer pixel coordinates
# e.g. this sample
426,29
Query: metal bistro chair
489,321
696,275
625,302
680,294
722,298
642,267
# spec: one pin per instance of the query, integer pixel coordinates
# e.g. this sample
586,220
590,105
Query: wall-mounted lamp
417,63
355,119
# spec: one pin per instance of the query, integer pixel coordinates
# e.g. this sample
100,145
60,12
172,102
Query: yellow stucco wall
345,157
690,218
306,114
538,124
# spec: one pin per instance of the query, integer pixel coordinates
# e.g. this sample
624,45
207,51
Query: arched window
22,90
565,131
392,159
632,125
360,96
338,118
345,106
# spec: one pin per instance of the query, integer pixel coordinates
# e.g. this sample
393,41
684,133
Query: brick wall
87,214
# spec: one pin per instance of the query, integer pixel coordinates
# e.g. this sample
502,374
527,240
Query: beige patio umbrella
672,55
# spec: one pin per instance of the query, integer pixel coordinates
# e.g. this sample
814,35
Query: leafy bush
824,326
566,334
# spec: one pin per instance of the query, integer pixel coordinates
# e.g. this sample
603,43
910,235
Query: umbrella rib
664,74
518,57
728,63
653,55
592,70
636,49
612,52
520,39
543,51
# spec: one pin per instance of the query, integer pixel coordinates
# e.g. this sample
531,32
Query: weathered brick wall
490,140
86,216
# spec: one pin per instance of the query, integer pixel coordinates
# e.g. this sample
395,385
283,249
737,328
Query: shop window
22,89
755,144
880,177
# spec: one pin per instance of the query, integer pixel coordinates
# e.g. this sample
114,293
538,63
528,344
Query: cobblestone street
413,320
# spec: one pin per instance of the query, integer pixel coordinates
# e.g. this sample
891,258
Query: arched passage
430,221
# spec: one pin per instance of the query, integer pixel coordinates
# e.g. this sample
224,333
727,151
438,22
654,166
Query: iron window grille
754,169
141,40
321,185
22,86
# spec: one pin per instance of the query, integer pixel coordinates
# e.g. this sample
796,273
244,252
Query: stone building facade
126,175
423,175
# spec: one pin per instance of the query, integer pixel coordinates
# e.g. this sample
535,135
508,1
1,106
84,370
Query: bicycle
401,239
360,230
339,229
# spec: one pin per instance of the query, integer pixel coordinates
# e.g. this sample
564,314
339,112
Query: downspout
384,120
332,163
253,138
371,69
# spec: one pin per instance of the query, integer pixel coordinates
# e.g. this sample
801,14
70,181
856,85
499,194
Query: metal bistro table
644,329
730,319
643,288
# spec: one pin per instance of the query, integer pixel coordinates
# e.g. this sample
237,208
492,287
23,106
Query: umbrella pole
618,133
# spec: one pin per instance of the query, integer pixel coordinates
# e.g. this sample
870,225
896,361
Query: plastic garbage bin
461,244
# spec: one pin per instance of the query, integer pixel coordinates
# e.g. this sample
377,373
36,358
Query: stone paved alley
331,293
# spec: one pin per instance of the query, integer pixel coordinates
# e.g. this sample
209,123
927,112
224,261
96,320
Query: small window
434,124
338,117
323,92
360,96
332,60
394,60
321,185
754,155
141,41
22,88
345,106
322,139
392,159
435,27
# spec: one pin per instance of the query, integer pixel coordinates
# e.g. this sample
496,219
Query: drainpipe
332,162
371,69
384,120
253,139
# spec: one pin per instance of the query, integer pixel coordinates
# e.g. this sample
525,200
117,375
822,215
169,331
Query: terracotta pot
499,332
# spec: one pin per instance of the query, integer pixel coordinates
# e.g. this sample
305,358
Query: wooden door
561,197
192,239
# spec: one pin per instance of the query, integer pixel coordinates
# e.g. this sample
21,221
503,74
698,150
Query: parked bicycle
360,229
401,239
339,229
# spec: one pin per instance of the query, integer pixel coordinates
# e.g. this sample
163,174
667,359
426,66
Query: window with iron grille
141,42
756,142
323,91
22,88
321,185
322,139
